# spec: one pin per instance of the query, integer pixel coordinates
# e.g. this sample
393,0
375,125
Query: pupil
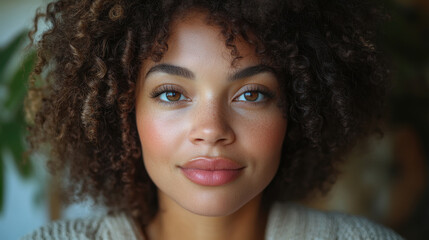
173,96
251,96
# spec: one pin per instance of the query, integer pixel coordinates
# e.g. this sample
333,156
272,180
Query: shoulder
109,227
292,221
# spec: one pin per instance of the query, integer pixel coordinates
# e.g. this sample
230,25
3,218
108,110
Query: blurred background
384,179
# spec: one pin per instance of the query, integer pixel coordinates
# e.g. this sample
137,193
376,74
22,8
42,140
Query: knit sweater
285,221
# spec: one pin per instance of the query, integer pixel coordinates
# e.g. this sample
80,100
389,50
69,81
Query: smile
211,171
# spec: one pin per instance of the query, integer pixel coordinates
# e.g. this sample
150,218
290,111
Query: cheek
263,141
151,134
159,135
264,137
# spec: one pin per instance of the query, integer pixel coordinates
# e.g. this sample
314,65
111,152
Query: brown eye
251,96
254,96
169,94
173,96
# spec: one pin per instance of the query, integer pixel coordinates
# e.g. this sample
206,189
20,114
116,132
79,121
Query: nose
211,126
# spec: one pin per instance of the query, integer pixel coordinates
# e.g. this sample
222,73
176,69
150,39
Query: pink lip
211,171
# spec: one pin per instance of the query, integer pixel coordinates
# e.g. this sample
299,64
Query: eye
171,96
255,93
251,96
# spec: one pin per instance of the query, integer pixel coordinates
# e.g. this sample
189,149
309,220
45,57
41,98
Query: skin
211,116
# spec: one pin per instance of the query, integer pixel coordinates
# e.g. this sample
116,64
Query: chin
218,211
215,205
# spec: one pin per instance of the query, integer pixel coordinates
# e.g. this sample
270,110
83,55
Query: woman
199,119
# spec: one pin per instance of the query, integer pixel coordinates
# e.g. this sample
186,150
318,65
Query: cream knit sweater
286,221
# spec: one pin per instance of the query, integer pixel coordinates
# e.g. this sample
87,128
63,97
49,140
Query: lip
211,171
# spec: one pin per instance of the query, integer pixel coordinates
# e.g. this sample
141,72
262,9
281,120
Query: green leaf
18,85
7,52
12,138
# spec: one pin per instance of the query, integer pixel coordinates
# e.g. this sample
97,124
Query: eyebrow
186,73
250,71
172,70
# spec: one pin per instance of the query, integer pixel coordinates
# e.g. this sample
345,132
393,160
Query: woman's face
211,133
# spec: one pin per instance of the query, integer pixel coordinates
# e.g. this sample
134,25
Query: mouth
211,171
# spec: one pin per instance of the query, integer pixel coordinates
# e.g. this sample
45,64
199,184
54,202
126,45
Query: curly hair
331,75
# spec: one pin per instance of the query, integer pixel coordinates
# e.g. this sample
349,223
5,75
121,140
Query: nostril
211,130
213,140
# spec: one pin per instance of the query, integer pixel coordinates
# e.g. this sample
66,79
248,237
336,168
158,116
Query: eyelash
165,89
251,88
267,94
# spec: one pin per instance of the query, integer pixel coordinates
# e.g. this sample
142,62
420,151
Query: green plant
13,88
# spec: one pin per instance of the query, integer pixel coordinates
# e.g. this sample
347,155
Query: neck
174,222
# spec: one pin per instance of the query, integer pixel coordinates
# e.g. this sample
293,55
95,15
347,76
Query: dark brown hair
323,53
